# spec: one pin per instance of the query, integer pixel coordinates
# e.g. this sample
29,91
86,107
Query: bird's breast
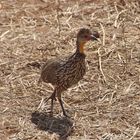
71,72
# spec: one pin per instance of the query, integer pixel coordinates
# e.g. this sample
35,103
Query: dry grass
105,105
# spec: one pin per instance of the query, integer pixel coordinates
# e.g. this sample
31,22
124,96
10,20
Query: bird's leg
61,104
52,97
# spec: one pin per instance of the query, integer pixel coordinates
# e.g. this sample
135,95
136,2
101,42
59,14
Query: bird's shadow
62,126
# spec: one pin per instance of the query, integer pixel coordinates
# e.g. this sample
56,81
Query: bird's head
84,35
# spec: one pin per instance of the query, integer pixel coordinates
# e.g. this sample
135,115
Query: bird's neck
80,47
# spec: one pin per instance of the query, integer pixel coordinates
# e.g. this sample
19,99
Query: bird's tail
34,64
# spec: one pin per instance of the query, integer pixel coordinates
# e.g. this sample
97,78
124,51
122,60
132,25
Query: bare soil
105,105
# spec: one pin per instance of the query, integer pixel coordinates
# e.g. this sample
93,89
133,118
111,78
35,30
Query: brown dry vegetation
105,105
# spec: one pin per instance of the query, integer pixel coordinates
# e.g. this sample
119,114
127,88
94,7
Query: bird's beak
95,36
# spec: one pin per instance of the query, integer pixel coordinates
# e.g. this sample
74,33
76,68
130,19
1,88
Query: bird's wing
50,69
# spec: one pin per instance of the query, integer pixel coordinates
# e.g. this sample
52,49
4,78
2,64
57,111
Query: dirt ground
105,105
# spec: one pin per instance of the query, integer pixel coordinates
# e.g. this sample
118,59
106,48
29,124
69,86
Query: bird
64,72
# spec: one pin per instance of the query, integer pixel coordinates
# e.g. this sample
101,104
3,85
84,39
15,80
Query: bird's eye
85,36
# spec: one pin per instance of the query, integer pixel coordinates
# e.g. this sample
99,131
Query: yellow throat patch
81,47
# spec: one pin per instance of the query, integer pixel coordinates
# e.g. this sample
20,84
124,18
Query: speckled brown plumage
64,72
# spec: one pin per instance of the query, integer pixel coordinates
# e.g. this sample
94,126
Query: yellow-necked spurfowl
64,72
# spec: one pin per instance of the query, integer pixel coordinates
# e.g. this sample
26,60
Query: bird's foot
66,115
51,114
51,97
